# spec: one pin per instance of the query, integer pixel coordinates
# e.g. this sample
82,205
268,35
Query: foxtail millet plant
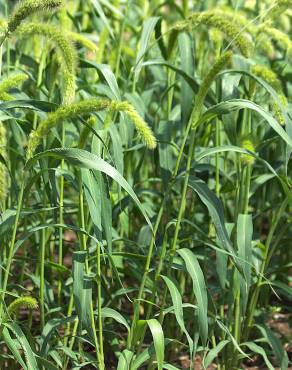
179,252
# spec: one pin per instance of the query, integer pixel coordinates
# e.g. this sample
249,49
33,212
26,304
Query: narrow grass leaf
178,308
10,343
108,312
214,352
148,28
199,288
244,244
100,12
276,346
125,360
215,210
158,340
259,350
29,354
236,104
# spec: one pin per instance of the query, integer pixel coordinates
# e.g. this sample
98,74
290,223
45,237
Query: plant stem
11,248
99,305
42,273
61,219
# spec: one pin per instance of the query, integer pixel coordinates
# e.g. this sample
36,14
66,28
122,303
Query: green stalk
99,354
61,218
42,274
11,248
185,6
99,296
217,143
122,29
182,207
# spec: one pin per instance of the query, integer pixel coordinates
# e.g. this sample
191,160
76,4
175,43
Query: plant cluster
145,184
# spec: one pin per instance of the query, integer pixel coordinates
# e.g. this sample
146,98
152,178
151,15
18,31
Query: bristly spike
271,78
279,37
66,52
10,82
222,62
28,7
29,303
247,144
218,21
87,107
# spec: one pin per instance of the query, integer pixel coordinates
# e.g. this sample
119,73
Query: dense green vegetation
145,184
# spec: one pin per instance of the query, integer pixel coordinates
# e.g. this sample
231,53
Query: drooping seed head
82,40
87,107
66,52
222,62
28,7
218,21
279,37
29,303
10,82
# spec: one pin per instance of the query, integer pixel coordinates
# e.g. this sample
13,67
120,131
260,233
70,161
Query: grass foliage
145,183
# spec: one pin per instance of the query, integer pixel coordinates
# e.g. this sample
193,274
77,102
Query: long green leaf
178,308
199,287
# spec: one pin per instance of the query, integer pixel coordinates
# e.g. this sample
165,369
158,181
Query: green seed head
82,40
66,53
218,21
280,38
29,303
222,62
29,7
87,107
247,144
10,82
271,78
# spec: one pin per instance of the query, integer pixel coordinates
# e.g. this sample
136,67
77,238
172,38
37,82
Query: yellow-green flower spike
222,62
27,8
268,75
271,78
66,53
29,303
87,107
247,144
218,21
10,82
281,38
82,40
